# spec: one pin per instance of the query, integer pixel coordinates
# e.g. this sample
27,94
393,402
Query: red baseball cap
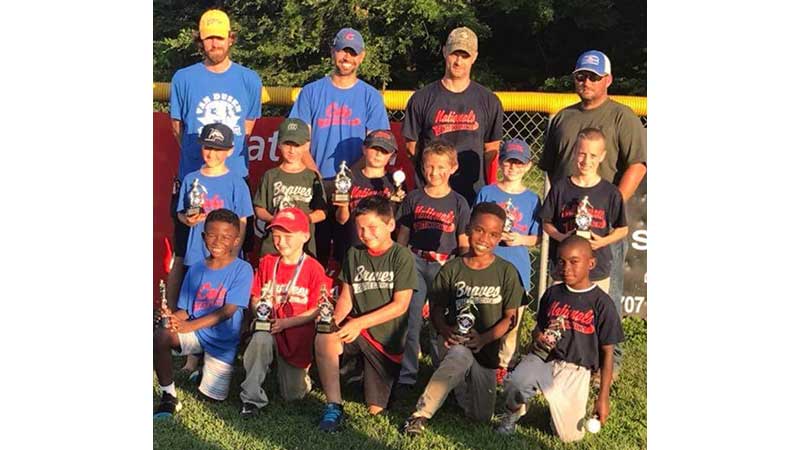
293,220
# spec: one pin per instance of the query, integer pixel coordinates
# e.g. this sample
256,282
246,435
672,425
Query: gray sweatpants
293,382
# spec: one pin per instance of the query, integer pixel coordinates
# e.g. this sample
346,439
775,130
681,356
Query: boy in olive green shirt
371,314
474,300
290,184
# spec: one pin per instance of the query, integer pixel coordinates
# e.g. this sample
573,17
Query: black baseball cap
382,139
217,135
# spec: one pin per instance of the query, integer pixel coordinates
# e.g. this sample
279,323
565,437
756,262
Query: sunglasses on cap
582,76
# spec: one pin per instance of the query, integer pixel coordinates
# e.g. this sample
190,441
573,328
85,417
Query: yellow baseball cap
214,23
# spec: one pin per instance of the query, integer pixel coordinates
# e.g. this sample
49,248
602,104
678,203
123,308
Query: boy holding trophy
210,308
586,205
576,329
474,301
370,316
379,148
286,290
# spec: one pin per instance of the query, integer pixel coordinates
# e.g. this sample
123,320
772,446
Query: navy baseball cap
348,37
217,135
383,139
515,149
594,61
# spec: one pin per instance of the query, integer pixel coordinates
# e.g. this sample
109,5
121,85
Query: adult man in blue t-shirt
341,110
215,90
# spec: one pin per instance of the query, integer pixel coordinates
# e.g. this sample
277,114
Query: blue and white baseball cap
594,61
348,37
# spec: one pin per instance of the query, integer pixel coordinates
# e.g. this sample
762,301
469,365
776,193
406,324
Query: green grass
283,425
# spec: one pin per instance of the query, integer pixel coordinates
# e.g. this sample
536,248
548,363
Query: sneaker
331,418
168,407
196,377
508,421
500,375
248,410
414,426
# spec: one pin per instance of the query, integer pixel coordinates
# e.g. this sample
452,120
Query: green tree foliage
524,44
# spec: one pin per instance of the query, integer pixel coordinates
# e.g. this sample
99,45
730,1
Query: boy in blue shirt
210,307
218,188
221,188
521,206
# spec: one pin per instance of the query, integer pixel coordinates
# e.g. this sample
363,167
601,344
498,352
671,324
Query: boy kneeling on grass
486,288
211,301
371,315
292,280
576,329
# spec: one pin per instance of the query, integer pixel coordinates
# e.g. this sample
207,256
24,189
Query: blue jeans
619,250
426,272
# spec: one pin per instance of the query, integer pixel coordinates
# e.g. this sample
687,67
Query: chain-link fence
530,127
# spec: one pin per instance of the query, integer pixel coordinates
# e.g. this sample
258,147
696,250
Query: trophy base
192,212
341,198
584,234
262,325
540,352
325,327
397,198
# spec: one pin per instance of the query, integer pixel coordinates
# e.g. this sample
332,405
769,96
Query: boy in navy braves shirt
372,179
522,207
292,280
487,289
587,328
371,313
210,308
433,224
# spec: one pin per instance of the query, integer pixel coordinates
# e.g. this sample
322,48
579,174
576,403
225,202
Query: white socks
169,389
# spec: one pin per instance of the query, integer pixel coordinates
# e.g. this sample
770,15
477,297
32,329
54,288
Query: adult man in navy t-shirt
341,109
460,112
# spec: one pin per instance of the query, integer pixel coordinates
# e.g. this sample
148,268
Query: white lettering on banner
639,238
273,146
258,147
632,305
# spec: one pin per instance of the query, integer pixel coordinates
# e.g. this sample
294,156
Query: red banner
262,149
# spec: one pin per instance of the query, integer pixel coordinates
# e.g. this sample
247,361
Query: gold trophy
342,184
326,323
162,289
264,311
196,198
553,334
509,223
583,219
399,194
